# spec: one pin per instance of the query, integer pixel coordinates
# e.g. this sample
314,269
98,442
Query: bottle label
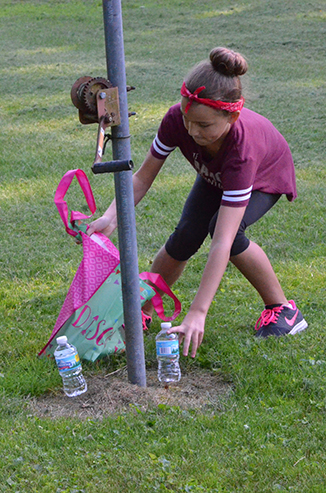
167,348
67,363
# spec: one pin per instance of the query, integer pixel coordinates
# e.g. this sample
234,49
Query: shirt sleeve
238,178
165,140
160,150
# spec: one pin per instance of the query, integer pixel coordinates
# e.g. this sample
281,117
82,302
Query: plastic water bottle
167,352
68,362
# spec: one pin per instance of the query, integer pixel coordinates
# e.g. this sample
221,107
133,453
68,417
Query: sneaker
146,319
279,320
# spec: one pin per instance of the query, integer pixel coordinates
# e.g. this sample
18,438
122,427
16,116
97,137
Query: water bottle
68,362
167,352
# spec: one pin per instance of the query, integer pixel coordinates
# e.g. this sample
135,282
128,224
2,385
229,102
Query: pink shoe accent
293,319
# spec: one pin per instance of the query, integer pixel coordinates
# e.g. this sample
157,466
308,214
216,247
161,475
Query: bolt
102,95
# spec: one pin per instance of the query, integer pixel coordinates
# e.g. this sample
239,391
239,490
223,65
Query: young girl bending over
243,167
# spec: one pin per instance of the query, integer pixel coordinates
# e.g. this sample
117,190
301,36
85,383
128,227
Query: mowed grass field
269,435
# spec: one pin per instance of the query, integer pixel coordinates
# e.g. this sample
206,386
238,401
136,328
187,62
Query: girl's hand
190,331
101,225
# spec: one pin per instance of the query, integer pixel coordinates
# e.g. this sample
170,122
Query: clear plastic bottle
69,366
167,352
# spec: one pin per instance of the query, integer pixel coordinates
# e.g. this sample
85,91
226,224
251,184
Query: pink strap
62,204
62,207
159,282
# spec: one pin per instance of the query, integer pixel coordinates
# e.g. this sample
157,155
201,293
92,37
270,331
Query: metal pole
125,197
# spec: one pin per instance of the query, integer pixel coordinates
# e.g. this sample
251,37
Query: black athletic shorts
199,218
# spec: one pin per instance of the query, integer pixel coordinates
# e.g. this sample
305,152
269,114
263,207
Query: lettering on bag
81,323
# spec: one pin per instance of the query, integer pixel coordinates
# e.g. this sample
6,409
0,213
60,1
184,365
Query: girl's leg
249,258
169,268
253,263
280,316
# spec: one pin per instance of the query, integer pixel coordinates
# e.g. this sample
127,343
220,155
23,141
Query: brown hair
220,75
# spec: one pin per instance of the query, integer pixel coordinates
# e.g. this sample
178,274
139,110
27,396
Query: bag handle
158,282
62,207
61,204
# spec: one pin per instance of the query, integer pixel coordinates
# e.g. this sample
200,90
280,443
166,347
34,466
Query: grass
270,435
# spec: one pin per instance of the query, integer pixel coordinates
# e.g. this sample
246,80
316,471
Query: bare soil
113,394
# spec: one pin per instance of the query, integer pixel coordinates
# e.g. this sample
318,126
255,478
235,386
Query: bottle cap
62,340
166,325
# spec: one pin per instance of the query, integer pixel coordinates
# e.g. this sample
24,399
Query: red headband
218,105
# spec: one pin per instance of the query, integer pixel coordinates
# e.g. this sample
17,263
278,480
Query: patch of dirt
113,394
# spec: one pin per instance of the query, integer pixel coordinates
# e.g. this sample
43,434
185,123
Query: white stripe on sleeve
236,199
161,148
238,192
237,195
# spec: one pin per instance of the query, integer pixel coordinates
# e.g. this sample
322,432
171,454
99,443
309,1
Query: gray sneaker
279,320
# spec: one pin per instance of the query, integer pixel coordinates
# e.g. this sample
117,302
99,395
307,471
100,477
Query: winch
97,101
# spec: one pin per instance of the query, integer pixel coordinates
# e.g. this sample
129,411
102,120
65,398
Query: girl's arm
192,327
142,181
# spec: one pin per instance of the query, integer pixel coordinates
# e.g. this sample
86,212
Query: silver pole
114,46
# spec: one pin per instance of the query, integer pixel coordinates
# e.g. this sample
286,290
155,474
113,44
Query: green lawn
270,434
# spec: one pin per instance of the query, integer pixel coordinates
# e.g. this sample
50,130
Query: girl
243,167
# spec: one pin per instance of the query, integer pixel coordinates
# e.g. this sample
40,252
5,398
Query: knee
183,243
240,244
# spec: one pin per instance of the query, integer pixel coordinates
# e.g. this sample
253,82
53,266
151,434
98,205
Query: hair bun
228,62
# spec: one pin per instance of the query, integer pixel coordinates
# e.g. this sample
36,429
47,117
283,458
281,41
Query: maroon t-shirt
253,156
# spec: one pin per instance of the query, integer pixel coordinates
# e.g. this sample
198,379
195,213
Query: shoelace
269,315
146,320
